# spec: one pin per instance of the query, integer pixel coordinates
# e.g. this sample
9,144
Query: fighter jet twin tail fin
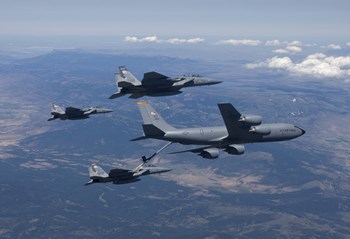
124,79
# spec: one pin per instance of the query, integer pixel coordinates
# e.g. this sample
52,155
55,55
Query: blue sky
191,18
300,37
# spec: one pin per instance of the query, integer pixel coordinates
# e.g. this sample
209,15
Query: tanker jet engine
238,130
155,84
71,113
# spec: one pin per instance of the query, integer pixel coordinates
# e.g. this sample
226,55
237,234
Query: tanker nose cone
301,130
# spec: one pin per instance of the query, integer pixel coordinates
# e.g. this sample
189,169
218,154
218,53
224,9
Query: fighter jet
238,130
122,176
154,84
71,113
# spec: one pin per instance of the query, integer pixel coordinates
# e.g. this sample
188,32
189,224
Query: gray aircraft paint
72,113
238,129
121,176
154,84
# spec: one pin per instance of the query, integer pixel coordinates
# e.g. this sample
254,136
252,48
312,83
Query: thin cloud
144,39
348,43
334,47
281,51
41,165
155,39
295,43
273,43
317,65
241,42
185,41
292,47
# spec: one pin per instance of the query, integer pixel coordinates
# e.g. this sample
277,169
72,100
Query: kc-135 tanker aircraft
238,130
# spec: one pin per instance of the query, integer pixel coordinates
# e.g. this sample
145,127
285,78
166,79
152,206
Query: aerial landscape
298,188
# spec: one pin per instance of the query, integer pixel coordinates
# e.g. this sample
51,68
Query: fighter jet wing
118,170
119,173
73,110
136,95
231,118
151,78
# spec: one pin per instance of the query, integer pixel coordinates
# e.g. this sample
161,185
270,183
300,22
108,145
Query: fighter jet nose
214,82
103,110
200,81
166,170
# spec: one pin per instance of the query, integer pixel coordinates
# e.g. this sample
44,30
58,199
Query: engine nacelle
251,119
210,153
261,130
235,149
